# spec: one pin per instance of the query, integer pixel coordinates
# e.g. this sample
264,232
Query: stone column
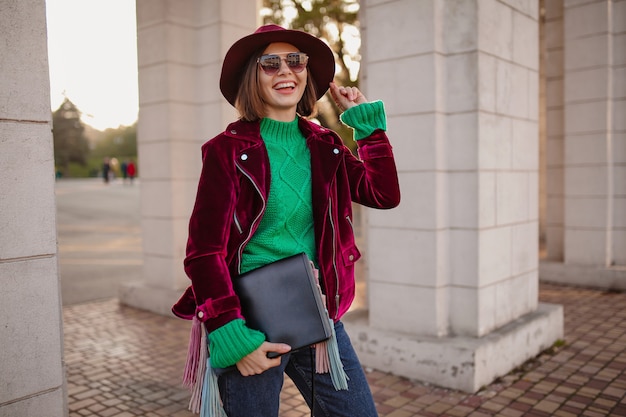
32,381
591,96
555,215
180,49
453,272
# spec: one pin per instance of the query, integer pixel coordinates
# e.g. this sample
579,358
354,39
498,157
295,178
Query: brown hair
250,103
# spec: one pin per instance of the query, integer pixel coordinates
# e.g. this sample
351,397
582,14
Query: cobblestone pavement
125,362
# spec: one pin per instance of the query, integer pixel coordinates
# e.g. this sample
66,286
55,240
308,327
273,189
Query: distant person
131,171
124,169
106,170
114,168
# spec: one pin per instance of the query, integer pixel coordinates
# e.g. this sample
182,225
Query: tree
120,142
70,143
335,21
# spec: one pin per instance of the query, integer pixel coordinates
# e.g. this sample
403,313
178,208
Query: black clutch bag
283,301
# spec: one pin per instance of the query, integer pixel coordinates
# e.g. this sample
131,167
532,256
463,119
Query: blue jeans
259,395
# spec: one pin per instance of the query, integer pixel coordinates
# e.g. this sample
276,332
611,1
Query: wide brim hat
321,66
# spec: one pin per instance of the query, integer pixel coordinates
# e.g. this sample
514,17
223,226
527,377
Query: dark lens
297,61
270,62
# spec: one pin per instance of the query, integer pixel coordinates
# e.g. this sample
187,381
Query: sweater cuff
365,118
231,342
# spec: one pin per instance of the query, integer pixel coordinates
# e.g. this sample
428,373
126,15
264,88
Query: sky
92,54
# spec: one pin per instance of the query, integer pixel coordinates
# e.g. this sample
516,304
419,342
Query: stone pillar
555,213
180,49
32,381
453,272
588,90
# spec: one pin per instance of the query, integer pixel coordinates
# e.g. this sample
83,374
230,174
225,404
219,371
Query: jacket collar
322,143
248,131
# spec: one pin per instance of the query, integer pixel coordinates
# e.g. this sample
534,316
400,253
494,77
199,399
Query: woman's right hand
257,362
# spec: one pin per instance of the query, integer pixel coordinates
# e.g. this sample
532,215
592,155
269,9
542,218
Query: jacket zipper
236,220
350,223
332,225
245,241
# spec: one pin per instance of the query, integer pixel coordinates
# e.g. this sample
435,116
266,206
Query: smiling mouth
285,85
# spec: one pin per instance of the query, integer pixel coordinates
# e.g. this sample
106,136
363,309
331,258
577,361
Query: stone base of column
139,294
462,363
613,278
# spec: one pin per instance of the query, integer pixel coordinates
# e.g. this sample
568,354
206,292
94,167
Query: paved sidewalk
126,362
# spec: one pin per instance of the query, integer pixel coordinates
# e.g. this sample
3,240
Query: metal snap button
244,157
336,151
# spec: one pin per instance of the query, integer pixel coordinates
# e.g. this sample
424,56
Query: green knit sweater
287,224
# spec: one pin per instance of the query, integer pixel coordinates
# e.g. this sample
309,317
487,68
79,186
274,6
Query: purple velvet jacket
231,199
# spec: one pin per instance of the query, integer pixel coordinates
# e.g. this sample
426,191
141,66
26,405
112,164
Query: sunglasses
270,64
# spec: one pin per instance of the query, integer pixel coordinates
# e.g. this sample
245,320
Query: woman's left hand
257,362
346,97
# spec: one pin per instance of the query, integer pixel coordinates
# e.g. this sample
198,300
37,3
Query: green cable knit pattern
287,225
231,342
365,118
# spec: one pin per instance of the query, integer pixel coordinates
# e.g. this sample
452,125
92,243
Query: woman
275,184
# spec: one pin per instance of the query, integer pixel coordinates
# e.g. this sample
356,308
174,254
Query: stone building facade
508,121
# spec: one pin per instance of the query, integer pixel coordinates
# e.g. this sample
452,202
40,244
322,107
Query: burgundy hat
321,59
